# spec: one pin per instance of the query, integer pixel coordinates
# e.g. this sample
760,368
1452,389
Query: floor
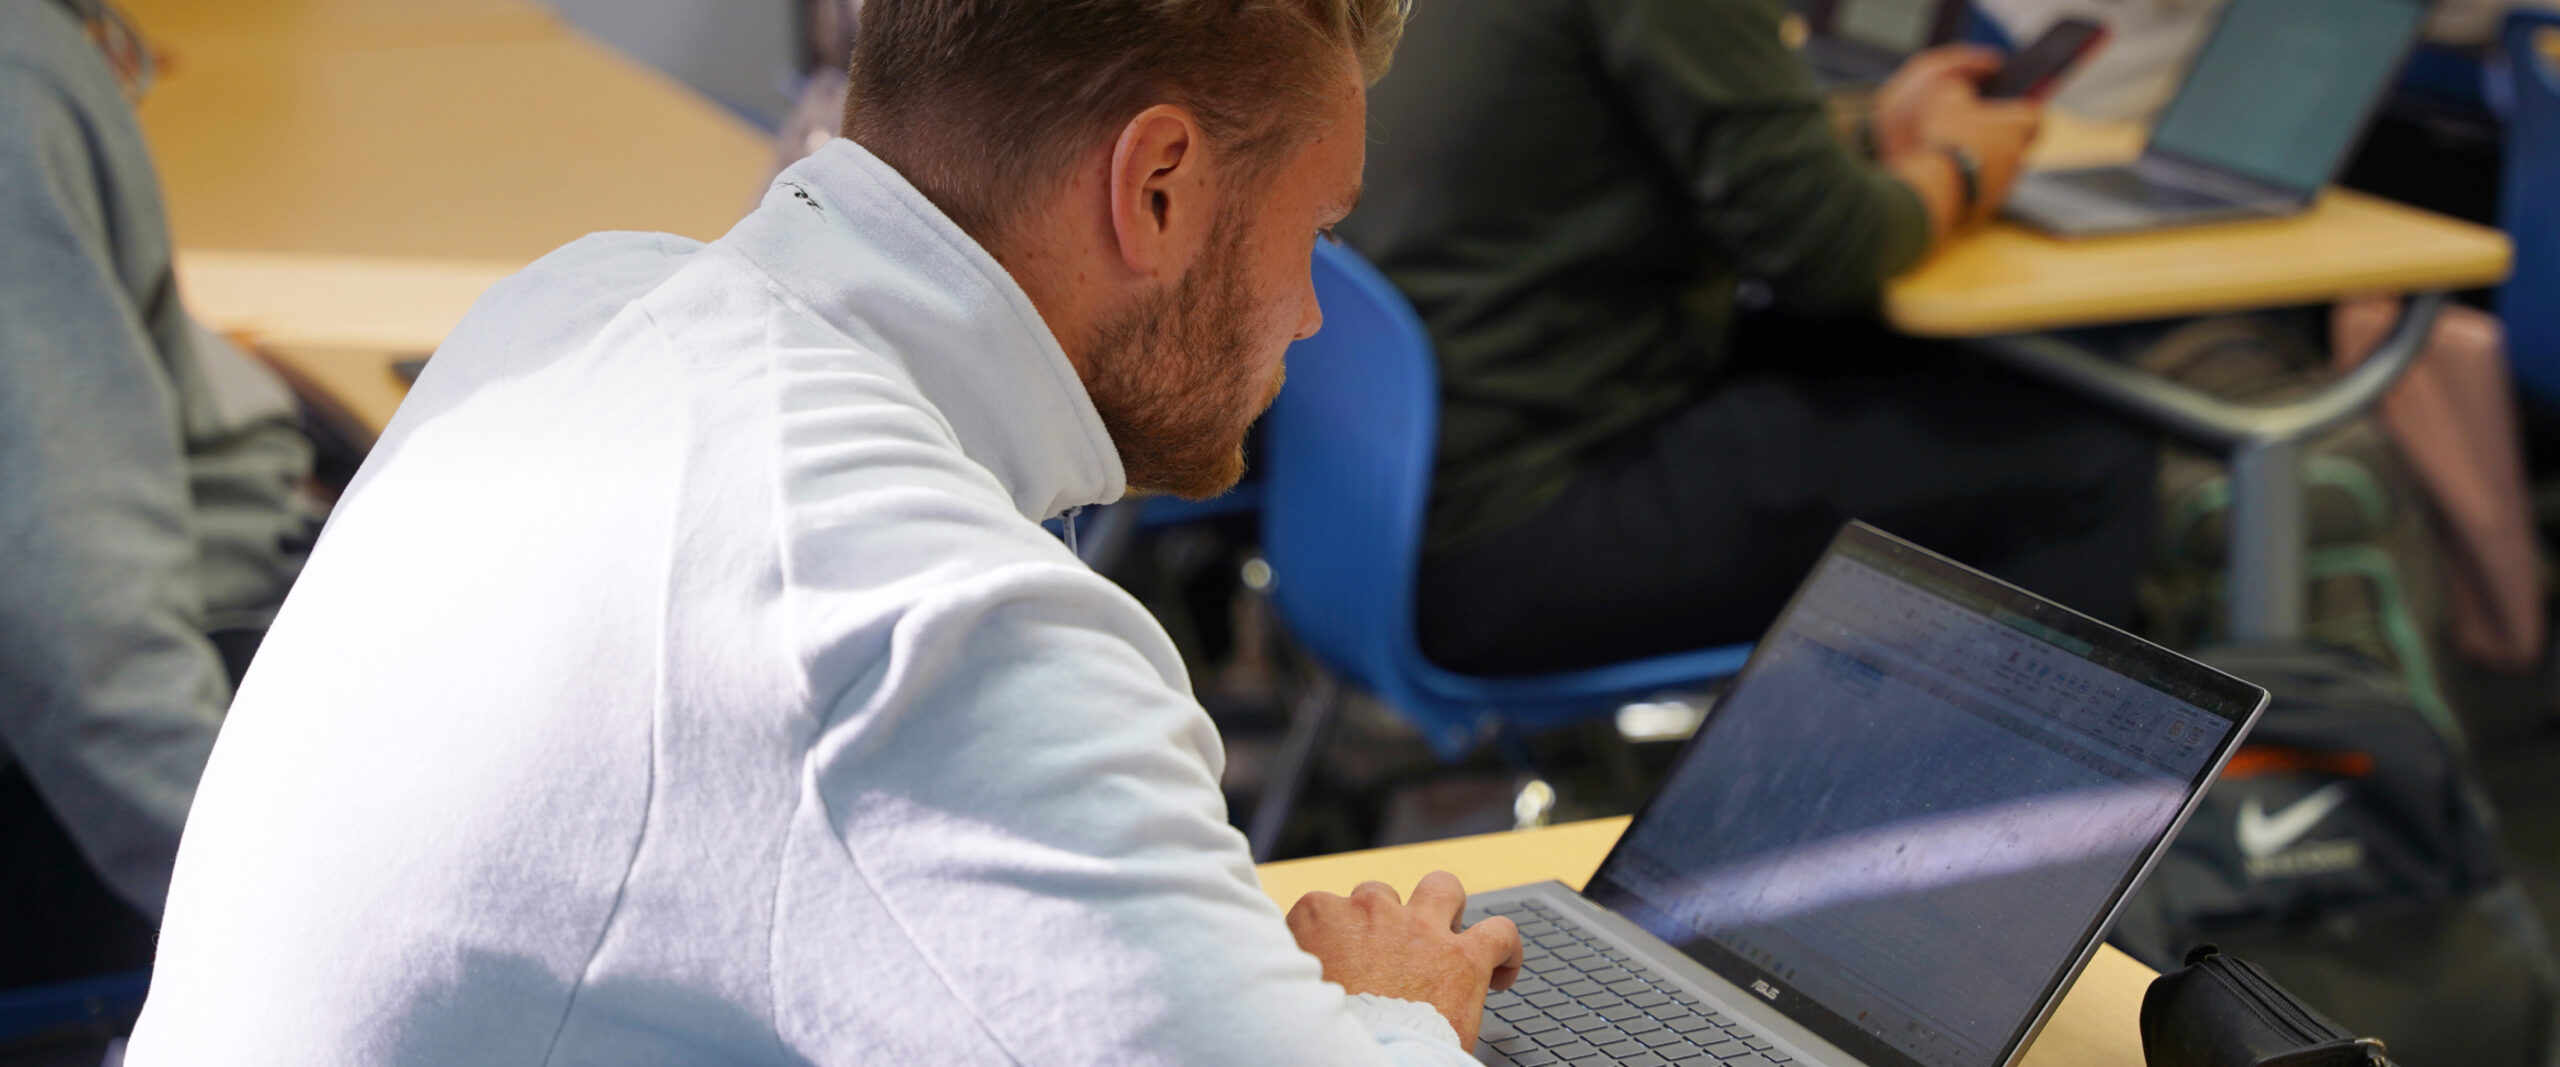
2516,742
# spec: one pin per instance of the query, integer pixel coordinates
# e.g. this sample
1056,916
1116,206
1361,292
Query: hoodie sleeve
1031,752
1735,114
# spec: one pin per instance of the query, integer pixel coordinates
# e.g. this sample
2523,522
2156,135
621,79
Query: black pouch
2222,1011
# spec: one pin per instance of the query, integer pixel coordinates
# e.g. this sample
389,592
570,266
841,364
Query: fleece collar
847,235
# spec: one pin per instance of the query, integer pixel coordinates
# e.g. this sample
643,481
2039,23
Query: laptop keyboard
2126,185
1584,1002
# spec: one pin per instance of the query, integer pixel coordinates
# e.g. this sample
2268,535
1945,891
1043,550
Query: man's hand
1933,104
1372,942
1924,84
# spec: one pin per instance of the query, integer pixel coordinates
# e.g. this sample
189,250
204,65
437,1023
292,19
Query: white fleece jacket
686,679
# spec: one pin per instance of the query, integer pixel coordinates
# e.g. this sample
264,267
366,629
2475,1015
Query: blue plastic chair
2529,212
107,999
2441,79
1348,474
1980,28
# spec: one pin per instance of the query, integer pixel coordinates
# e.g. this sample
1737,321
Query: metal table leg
2268,540
2265,442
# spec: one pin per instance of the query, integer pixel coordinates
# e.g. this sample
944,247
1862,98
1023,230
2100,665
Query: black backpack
2348,851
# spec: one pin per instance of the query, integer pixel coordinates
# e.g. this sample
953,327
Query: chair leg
1311,722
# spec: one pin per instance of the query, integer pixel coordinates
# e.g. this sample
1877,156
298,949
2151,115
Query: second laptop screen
2284,86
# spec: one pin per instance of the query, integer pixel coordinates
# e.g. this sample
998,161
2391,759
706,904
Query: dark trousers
58,919
1692,532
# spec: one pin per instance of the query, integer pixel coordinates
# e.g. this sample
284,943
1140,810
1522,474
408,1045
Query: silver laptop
2267,115
1894,843
1860,43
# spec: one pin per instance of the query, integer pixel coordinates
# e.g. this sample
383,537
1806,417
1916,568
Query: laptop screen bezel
1944,26
2212,691
2373,104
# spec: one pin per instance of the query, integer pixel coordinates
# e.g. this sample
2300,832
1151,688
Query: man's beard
1176,382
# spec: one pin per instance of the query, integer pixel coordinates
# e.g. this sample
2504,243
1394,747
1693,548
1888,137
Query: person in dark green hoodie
1575,194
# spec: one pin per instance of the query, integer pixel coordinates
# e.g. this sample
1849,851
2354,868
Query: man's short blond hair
985,104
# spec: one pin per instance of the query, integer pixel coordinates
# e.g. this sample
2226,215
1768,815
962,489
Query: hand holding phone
2032,73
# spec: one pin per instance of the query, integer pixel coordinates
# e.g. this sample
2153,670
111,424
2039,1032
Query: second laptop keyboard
1584,1002
2126,185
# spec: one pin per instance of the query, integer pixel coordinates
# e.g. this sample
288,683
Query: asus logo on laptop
1763,988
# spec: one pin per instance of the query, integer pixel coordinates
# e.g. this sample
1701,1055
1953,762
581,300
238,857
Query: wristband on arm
1968,177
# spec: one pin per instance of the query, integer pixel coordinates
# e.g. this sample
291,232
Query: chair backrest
1347,477
1348,451
2529,211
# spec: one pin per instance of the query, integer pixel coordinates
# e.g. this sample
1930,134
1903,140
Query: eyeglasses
135,65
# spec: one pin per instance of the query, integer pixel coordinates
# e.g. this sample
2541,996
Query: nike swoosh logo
2263,835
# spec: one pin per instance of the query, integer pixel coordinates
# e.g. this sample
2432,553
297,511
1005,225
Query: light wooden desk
469,129
2097,1025
2009,279
336,324
181,31
345,177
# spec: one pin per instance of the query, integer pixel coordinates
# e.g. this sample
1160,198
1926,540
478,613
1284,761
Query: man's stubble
1175,379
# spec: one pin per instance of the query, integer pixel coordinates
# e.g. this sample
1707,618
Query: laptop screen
1918,803
2281,90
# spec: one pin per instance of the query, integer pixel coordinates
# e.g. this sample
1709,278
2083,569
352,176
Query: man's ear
1159,192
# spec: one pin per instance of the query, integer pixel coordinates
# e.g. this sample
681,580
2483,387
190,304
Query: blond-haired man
786,736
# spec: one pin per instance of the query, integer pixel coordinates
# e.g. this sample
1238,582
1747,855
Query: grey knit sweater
148,471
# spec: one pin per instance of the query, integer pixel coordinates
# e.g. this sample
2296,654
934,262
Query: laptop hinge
2205,178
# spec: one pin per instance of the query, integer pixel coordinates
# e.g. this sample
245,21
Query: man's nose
1310,313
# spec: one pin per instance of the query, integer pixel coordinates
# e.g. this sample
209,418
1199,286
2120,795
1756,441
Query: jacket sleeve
1737,118
1030,761
109,691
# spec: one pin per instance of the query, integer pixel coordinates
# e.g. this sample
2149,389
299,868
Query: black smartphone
2031,73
